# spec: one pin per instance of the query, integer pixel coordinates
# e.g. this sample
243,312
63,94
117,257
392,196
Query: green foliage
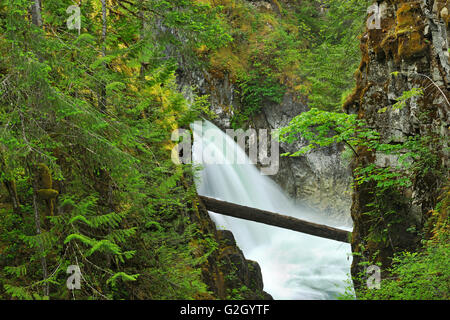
99,114
256,90
195,20
263,58
322,128
293,48
329,63
401,101
420,275
123,276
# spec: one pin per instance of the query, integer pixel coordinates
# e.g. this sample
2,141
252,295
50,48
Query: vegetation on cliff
307,48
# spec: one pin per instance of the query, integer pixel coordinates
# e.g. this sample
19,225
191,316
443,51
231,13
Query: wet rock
241,274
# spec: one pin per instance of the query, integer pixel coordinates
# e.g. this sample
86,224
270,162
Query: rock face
239,271
408,50
228,274
319,180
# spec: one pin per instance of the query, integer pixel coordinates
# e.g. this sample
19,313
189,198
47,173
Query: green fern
123,276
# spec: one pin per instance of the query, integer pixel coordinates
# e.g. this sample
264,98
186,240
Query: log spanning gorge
300,254
275,219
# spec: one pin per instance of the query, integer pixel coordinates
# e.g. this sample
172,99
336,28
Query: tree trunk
36,15
38,232
275,219
102,95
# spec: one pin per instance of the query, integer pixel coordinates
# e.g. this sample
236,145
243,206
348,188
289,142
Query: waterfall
293,265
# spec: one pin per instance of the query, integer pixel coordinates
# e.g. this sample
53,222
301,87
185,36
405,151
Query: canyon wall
319,180
408,49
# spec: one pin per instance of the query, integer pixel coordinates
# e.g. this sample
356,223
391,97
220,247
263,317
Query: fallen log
275,219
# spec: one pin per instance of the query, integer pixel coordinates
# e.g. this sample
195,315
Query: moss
444,15
45,185
277,4
47,194
351,99
225,251
375,39
409,31
406,14
412,45
228,61
203,296
437,221
390,45
44,176
402,37
11,187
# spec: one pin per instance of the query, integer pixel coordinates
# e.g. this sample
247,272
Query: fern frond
82,238
105,246
123,276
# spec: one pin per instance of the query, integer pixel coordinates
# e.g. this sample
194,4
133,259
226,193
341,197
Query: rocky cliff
408,49
319,180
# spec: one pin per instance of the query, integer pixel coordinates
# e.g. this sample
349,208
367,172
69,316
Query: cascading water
293,265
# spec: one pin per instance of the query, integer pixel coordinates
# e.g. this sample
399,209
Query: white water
293,265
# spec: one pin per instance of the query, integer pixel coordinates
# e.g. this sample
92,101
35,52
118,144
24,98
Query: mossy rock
45,177
411,45
47,194
404,38
407,15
